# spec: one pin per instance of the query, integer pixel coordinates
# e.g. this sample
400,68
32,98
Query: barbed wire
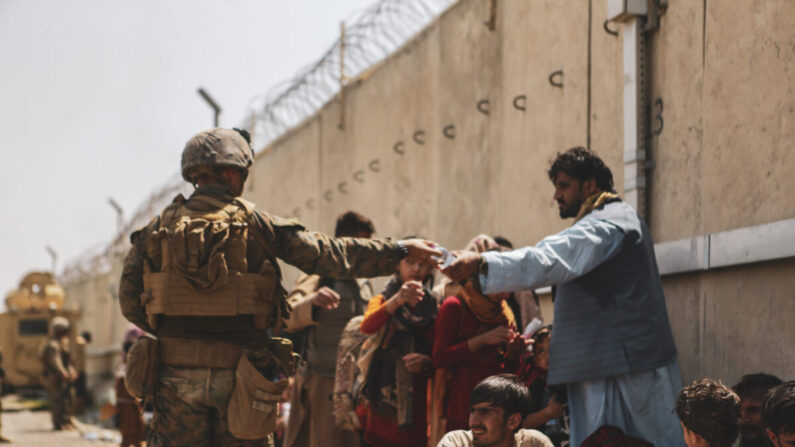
369,37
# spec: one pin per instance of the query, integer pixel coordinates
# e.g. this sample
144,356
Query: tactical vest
198,265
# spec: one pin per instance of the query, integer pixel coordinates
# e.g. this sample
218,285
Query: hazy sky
97,98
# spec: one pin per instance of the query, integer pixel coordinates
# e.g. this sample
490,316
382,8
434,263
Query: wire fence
369,36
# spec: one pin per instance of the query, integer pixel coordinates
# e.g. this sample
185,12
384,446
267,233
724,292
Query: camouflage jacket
311,252
55,359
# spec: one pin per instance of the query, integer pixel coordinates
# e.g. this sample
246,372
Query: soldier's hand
422,250
326,298
465,265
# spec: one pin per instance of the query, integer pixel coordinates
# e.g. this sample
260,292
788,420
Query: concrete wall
97,298
723,159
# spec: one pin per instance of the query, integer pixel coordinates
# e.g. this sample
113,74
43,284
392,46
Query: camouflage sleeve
131,284
316,253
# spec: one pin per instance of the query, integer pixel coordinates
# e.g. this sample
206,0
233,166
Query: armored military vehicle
24,325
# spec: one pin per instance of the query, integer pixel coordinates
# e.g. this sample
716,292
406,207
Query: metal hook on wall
343,187
327,195
483,106
419,137
297,211
310,204
520,102
375,165
553,76
359,176
398,147
608,30
449,131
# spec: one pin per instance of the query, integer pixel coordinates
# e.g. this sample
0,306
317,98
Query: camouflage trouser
60,400
190,409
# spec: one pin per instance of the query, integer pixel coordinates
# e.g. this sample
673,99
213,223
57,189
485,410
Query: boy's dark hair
778,409
505,391
755,386
503,242
711,410
86,336
352,223
583,165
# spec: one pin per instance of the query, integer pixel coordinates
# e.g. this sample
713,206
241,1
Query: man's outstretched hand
465,265
421,250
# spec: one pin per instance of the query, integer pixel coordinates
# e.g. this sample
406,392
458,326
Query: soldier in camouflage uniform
212,249
59,372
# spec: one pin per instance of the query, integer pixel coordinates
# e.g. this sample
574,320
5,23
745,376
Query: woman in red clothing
474,337
397,379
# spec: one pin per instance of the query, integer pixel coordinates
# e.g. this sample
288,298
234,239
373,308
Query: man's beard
570,210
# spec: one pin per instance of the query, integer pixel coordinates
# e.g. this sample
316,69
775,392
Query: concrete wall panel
735,321
748,114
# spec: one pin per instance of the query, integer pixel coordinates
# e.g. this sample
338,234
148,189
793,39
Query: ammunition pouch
169,293
143,368
252,410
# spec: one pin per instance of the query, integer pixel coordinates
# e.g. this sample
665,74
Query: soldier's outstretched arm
317,253
131,284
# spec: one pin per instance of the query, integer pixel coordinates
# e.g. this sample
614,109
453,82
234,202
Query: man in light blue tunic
611,341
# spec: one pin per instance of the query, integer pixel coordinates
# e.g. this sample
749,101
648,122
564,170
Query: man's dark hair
755,386
711,410
503,242
778,409
582,164
352,223
505,391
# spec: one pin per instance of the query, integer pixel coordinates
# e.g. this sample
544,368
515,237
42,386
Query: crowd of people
467,361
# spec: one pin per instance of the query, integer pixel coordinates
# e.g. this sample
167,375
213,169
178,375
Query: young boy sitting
498,405
778,414
709,413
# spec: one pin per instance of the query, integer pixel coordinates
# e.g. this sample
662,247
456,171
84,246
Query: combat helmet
216,147
59,324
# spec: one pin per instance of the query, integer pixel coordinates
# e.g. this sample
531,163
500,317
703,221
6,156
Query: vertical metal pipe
634,115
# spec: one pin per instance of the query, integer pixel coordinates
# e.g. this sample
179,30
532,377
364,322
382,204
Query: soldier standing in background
59,372
203,276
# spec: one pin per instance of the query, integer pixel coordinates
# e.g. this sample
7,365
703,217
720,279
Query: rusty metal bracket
449,131
608,30
520,102
419,137
327,195
375,165
359,176
310,204
343,187
399,147
483,106
491,23
656,9
555,75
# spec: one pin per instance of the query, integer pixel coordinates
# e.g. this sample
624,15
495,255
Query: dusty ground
33,428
